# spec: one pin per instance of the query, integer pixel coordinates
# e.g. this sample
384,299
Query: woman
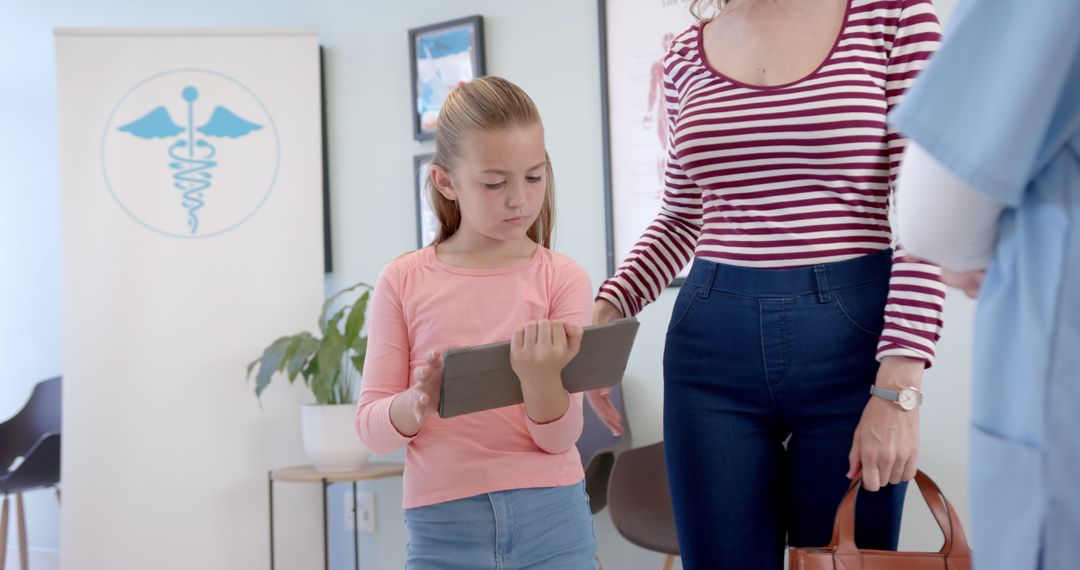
779,174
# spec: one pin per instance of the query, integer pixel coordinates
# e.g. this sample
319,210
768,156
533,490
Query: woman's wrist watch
908,398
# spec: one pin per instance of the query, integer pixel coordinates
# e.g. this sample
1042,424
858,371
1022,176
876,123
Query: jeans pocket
863,308
684,306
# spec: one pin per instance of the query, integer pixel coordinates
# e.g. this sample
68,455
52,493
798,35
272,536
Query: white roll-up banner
191,199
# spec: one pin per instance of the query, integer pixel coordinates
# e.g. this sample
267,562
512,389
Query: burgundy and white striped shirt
792,175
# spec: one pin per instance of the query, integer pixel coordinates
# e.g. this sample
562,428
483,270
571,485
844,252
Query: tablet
478,378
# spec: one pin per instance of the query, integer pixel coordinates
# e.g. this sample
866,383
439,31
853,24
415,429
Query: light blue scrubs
999,106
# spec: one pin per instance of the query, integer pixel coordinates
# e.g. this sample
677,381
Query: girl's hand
541,349
600,399
427,391
886,442
411,408
538,353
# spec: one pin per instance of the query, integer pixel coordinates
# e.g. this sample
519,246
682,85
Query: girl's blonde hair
484,104
706,10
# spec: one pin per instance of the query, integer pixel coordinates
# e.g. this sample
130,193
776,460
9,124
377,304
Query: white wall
29,238
549,48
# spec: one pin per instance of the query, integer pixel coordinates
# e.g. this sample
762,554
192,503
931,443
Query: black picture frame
605,114
328,251
425,233
474,28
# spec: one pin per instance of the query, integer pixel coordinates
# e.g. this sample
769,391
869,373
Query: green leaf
330,302
323,386
357,316
300,351
332,324
358,362
310,371
270,362
328,359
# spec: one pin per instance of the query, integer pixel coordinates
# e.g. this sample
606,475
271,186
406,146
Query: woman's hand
605,312
538,354
600,398
886,442
411,408
967,281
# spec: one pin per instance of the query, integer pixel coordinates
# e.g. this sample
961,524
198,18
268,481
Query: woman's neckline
704,58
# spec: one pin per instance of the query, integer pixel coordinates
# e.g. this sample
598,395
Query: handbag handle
843,539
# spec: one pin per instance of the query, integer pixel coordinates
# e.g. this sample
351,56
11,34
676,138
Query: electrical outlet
350,507
363,505
365,511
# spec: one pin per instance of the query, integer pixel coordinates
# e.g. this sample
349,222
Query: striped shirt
792,175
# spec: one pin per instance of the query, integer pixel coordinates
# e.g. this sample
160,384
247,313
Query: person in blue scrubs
991,186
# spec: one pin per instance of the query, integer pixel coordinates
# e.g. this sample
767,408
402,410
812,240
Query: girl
502,488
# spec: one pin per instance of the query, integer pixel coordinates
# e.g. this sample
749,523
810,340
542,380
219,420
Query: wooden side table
308,474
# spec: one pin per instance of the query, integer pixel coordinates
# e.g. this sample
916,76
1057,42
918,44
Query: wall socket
364,507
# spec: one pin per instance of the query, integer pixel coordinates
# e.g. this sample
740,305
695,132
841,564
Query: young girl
502,488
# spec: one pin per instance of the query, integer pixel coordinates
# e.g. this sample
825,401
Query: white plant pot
330,440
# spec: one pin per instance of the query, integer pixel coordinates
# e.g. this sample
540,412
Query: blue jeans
535,529
766,374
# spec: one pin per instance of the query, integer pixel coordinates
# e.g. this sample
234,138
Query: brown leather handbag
841,553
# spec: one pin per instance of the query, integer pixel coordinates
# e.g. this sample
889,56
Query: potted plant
330,367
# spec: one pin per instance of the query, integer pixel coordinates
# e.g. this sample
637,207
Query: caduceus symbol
192,158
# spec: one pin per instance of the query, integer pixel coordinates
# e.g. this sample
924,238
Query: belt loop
710,277
822,283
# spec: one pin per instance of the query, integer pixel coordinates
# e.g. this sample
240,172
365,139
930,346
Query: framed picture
442,56
634,37
427,225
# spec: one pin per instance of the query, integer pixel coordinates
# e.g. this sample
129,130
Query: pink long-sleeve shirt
421,304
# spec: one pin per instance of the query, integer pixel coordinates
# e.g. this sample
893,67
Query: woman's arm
668,242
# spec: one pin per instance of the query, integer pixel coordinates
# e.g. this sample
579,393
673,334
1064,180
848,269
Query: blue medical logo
202,176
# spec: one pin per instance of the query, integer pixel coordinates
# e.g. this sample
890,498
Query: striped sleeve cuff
913,312
613,292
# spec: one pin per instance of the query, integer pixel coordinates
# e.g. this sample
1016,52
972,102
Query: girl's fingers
543,332
558,334
519,339
574,332
530,333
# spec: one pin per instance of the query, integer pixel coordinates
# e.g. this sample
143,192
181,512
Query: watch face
908,399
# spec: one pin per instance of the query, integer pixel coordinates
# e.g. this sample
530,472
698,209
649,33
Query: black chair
32,434
640,503
598,447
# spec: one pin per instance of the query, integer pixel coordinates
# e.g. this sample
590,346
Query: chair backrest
639,500
40,469
39,416
598,447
